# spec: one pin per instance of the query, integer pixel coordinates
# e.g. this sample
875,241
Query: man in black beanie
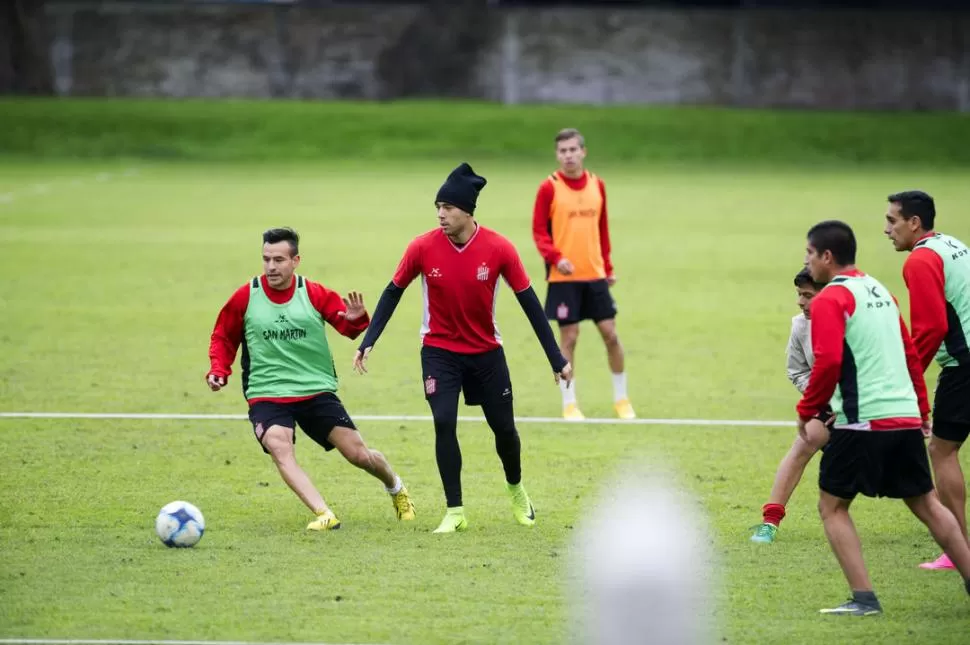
459,263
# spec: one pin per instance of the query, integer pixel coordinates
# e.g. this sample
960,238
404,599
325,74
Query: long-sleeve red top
924,278
541,231
830,310
228,332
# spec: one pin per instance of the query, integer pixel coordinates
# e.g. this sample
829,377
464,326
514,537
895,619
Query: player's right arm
225,339
924,277
541,227
407,270
797,363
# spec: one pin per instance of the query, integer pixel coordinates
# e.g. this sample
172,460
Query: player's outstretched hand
565,375
360,360
215,383
355,306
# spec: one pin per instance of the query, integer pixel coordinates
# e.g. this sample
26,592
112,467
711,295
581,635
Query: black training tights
501,419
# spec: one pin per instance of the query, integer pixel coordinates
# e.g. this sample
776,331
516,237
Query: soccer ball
180,524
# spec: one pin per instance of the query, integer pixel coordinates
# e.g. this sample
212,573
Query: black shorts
951,404
880,463
316,417
572,302
484,378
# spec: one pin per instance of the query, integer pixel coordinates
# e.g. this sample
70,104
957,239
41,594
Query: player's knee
827,509
610,338
362,458
941,451
278,442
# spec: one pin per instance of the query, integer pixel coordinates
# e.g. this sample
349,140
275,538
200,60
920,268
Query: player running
288,375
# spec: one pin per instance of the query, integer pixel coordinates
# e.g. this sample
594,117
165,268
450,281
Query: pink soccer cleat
942,562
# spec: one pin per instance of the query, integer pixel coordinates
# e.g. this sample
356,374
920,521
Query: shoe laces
401,503
765,530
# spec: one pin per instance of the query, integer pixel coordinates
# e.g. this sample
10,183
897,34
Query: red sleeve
540,223
410,266
605,233
829,312
923,274
512,269
915,368
331,305
227,333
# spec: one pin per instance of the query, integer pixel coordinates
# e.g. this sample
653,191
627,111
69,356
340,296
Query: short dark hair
285,234
804,279
915,203
836,237
571,133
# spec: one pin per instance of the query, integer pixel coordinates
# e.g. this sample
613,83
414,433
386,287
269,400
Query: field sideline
114,284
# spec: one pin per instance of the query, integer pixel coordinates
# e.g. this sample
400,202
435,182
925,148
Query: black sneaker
853,608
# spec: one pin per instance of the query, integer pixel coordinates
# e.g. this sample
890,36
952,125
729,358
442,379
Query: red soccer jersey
460,287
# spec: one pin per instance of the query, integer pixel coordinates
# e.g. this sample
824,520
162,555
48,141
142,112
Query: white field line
47,189
753,423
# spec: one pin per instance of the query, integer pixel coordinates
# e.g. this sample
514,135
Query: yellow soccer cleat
403,505
453,522
522,508
624,410
324,522
571,413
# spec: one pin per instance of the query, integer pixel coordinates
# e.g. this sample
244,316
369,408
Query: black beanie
461,188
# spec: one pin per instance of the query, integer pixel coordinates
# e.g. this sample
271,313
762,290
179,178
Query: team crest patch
430,385
562,311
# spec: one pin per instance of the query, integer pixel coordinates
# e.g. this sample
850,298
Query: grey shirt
800,356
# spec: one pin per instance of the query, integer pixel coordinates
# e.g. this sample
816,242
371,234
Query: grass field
114,272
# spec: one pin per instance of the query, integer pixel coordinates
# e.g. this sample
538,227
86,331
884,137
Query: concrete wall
840,60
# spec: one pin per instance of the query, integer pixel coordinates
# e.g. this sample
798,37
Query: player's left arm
829,312
515,276
915,367
347,315
605,247
924,277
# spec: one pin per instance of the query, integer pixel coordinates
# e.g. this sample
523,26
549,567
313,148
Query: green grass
111,290
402,131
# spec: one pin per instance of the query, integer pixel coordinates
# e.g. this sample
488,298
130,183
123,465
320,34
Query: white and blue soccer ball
180,524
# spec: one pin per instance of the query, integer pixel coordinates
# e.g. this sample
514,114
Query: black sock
501,419
448,454
866,598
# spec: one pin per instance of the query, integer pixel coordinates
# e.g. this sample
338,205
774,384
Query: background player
867,367
799,365
570,229
459,263
288,373
937,275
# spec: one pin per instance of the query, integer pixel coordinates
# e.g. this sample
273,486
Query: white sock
568,393
396,488
619,387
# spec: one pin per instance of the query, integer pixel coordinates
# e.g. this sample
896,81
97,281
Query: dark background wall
506,51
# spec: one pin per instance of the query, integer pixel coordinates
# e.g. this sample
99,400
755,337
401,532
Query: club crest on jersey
483,272
562,311
430,385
